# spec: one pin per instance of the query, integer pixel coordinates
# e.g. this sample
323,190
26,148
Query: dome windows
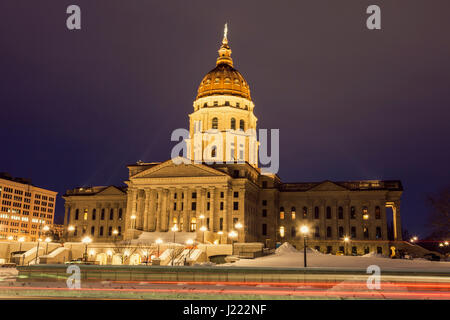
233,123
215,123
237,105
227,103
216,103
242,125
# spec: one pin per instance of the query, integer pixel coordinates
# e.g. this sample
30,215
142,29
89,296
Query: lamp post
86,241
304,230
133,221
220,233
346,240
203,229
115,233
21,239
174,229
47,240
45,228
189,242
158,242
232,235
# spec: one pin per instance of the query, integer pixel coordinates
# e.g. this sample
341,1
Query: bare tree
125,249
176,251
439,214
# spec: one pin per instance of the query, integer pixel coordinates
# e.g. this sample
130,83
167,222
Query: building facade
25,209
218,188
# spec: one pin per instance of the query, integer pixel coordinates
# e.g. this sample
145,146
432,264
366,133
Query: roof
359,185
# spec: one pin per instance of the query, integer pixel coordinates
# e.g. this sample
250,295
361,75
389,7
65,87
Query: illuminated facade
202,192
24,209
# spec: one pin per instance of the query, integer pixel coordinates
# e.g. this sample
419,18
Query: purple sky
77,106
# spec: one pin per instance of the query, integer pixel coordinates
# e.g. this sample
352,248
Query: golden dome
224,79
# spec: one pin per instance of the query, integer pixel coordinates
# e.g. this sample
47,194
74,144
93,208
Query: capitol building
226,197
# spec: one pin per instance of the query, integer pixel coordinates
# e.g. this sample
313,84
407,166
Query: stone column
140,209
146,209
158,210
225,212
164,212
66,214
212,211
397,221
186,222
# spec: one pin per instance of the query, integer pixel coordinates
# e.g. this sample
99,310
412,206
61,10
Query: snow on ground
8,274
287,256
166,237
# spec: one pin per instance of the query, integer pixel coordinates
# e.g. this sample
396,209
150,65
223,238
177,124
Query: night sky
78,106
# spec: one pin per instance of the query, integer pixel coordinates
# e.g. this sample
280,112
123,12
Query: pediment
169,169
328,186
111,191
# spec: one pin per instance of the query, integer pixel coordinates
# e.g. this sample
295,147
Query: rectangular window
221,205
264,184
194,206
264,202
264,213
221,194
264,229
111,214
174,206
221,224
194,195
235,205
236,194
208,205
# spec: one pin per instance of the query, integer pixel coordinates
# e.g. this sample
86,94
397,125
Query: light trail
305,293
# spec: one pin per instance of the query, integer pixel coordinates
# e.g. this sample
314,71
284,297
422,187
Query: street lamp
48,240
45,228
446,243
158,242
304,230
174,229
346,240
86,241
233,234
190,243
21,239
203,229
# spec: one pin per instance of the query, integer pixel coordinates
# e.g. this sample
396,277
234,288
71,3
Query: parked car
75,261
432,257
339,253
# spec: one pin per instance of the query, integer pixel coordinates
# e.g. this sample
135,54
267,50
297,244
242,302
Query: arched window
94,213
377,212
101,231
205,105
111,214
193,224
352,213
293,232
282,232
233,123
305,212
102,217
341,213
293,213
328,212
242,125
119,229
215,123
341,232
92,231
120,214
328,232
281,213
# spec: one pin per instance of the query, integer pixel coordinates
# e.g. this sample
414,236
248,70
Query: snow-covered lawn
287,256
8,274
